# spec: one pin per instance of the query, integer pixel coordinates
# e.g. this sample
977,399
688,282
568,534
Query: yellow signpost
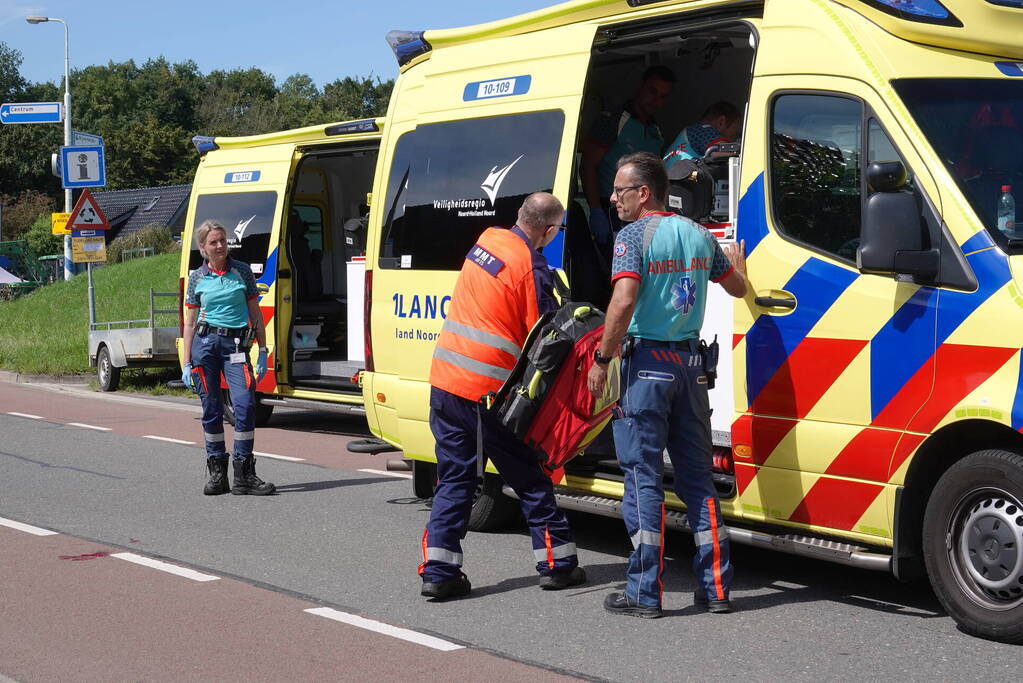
88,249
58,223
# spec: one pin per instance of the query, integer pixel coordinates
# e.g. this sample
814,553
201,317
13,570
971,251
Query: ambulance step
347,408
791,543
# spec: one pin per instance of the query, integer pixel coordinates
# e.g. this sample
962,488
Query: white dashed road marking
31,417
386,629
26,528
85,426
278,457
398,475
165,567
168,439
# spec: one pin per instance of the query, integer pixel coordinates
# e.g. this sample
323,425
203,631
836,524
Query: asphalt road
347,541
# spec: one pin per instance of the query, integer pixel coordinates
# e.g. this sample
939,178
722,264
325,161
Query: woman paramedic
221,319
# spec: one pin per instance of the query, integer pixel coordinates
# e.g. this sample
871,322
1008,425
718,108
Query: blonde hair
204,230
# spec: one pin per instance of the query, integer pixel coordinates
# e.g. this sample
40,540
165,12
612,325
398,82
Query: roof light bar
204,143
407,45
364,126
924,11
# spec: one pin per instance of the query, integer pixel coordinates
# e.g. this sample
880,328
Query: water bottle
1007,212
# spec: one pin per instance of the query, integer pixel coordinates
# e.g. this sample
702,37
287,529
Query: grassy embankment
46,332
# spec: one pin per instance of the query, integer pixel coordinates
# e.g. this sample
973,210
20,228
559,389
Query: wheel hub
990,547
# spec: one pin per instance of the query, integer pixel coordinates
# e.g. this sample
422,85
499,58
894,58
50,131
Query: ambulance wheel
491,509
973,544
263,412
109,376
424,478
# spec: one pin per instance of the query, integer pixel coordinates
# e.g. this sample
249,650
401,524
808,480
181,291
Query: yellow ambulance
295,204
870,412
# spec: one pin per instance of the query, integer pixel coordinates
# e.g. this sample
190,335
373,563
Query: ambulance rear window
248,217
450,181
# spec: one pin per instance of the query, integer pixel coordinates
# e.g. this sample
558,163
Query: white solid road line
278,457
31,417
85,426
168,439
398,475
165,567
26,528
386,629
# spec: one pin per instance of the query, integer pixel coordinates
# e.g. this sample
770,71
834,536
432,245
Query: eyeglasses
619,190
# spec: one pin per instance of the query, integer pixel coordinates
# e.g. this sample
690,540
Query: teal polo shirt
674,259
222,298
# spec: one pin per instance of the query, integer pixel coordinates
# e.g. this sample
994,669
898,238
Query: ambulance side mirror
894,235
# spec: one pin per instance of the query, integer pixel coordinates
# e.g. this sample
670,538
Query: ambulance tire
491,509
109,377
424,478
978,576
263,412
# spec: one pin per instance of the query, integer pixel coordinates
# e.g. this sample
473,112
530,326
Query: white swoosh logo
493,182
239,229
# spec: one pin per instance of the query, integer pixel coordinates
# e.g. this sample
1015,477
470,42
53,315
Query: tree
350,98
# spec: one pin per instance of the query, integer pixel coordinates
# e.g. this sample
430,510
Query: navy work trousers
665,404
453,421
211,357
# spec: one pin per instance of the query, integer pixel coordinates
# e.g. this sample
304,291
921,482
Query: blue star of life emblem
683,295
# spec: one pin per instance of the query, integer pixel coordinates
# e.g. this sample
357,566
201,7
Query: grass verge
47,331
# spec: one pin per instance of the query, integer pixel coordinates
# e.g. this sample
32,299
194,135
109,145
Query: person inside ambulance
222,318
663,265
631,128
721,122
503,288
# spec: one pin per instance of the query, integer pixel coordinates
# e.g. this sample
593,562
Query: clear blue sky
325,39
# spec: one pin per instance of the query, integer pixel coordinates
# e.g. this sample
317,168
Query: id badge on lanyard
237,356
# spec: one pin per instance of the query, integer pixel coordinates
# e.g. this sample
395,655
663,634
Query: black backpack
691,189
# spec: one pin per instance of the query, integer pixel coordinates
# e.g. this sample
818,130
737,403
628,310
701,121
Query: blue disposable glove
261,365
600,226
187,377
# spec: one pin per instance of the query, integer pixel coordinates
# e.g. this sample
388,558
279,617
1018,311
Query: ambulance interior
711,63
325,235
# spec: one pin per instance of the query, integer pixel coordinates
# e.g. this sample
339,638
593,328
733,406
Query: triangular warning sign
87,215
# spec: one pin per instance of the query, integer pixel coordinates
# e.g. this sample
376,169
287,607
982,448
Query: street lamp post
69,266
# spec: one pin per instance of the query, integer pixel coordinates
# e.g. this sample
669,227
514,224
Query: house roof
131,210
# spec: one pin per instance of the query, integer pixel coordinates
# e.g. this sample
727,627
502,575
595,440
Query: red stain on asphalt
79,558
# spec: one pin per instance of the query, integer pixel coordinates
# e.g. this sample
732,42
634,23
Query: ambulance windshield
976,127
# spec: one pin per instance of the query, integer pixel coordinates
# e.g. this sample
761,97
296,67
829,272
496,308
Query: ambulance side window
248,218
450,181
816,171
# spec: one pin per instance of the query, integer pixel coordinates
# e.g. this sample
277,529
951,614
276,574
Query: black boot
217,483
246,483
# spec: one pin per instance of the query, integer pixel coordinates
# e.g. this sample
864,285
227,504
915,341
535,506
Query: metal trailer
121,344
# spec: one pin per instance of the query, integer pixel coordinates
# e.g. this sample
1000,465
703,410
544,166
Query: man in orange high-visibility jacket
503,288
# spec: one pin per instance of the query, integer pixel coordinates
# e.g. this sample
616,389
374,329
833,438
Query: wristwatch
599,359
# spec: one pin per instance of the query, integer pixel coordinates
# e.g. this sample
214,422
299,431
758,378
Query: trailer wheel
263,412
973,544
491,509
109,376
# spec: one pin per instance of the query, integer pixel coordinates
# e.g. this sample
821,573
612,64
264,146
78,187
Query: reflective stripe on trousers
665,406
453,421
211,357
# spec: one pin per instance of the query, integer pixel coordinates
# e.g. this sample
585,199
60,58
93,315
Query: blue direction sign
83,166
31,112
87,139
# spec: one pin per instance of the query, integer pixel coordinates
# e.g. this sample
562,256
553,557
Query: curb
21,378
